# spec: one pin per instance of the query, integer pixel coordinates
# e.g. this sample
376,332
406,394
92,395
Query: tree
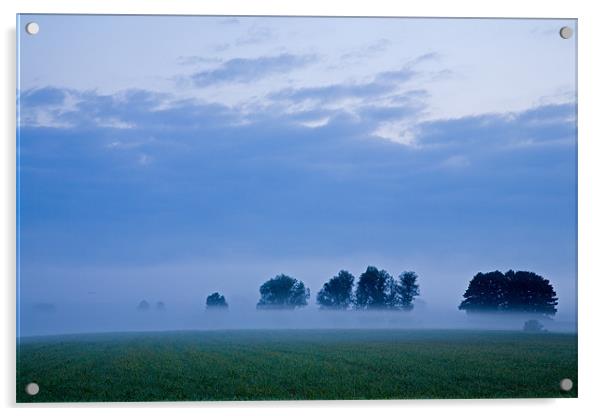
486,292
512,292
337,293
283,292
160,306
407,290
216,301
375,289
530,293
143,306
533,325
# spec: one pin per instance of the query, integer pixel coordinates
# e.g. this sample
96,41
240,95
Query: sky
165,158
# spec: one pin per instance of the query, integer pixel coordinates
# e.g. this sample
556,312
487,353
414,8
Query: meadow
296,365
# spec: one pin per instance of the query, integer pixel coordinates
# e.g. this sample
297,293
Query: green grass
296,364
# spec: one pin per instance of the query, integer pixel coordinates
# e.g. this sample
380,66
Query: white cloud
316,123
456,162
398,132
42,118
113,123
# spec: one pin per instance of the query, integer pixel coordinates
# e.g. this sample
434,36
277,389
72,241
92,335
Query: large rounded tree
512,291
283,292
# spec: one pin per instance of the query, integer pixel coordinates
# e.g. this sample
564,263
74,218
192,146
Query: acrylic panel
295,208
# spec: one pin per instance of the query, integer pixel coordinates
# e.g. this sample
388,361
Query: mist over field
72,318
105,300
120,318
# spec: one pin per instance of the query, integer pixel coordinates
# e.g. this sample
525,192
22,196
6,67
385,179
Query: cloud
546,125
332,92
47,96
195,60
320,122
376,47
243,70
410,96
400,132
381,103
113,123
388,112
401,75
136,110
254,35
126,120
408,71
456,162
207,184
44,106
129,118
426,57
383,84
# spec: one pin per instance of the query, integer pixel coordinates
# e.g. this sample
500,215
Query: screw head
32,28
32,389
566,384
566,32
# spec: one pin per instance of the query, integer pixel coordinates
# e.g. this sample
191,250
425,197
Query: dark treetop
513,291
215,300
377,289
283,292
337,293
407,290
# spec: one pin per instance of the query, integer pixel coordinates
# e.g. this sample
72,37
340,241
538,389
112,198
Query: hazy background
164,158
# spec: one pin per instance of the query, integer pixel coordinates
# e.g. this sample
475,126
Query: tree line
375,289
519,291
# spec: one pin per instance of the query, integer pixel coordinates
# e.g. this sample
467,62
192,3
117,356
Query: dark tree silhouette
216,301
143,306
485,293
283,292
375,289
407,290
337,293
519,291
160,306
530,293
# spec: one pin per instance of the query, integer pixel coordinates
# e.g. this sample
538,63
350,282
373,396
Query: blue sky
182,155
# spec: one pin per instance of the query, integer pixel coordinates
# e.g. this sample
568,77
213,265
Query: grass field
296,364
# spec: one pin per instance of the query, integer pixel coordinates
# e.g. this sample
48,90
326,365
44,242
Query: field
296,365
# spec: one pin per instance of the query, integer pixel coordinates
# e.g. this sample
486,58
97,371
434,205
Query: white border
590,202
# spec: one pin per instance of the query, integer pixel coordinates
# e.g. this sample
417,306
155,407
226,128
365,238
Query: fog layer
46,319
